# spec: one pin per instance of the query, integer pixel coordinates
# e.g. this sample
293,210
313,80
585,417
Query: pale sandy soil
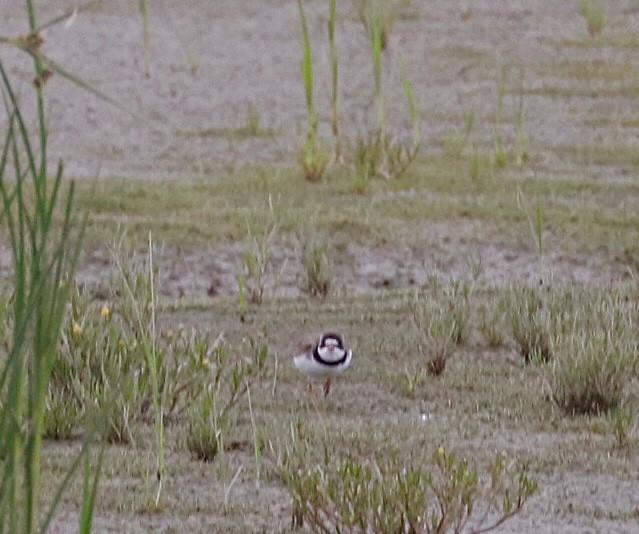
213,64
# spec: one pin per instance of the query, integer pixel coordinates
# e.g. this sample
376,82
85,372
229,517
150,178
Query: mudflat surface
222,91
216,66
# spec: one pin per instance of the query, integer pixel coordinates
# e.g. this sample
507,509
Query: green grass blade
307,63
89,493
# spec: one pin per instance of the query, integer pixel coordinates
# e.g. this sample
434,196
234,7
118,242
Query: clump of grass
395,496
381,13
492,322
517,149
458,143
596,358
313,156
335,116
256,260
442,323
317,276
521,150
95,374
530,325
622,422
411,380
212,416
594,16
379,155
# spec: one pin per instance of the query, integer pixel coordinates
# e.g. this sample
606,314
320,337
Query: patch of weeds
530,324
442,322
184,356
593,371
313,156
479,164
62,413
102,371
594,16
492,323
380,156
594,347
256,260
98,373
211,417
517,150
380,13
390,495
317,276
459,143
411,380
622,423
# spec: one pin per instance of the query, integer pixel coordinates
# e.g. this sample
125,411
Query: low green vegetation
594,15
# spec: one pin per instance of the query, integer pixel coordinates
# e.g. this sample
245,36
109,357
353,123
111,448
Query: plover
324,359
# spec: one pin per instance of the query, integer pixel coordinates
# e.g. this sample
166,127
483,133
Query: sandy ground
212,65
215,65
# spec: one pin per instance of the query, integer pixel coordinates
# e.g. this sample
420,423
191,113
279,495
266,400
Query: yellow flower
441,451
62,284
77,329
206,362
105,311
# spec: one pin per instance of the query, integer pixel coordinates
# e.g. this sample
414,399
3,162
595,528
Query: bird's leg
327,386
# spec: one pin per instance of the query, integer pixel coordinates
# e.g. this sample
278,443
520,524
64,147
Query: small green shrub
211,416
593,371
442,323
316,269
355,495
530,324
256,261
492,323
594,16
622,422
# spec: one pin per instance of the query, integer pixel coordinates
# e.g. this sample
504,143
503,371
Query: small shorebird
324,359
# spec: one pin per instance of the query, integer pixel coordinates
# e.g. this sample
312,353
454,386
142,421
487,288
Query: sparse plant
335,116
410,380
594,16
530,325
98,373
393,496
592,371
379,13
622,422
442,324
379,155
212,416
492,323
143,322
313,155
457,143
316,269
256,260
516,150
475,164
522,146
